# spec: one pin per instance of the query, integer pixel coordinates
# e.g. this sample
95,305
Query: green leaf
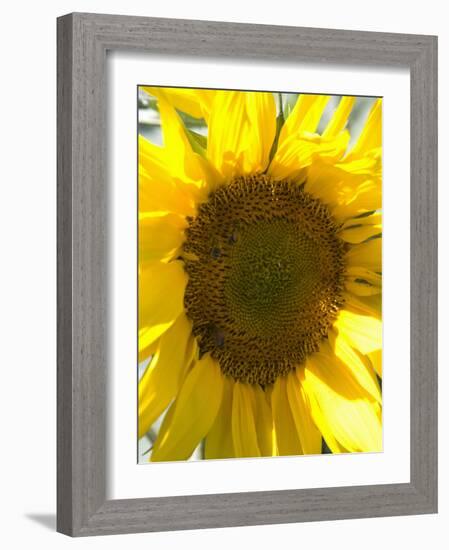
147,451
280,120
197,141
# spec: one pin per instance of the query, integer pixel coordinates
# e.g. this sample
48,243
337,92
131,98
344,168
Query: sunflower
260,277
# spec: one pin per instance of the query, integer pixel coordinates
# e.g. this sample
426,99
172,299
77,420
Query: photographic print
259,274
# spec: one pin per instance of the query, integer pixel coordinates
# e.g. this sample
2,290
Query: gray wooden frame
83,40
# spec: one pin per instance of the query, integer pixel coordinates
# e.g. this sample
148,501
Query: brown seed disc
266,272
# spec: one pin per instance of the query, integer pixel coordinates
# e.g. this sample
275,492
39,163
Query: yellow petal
367,197
218,442
288,442
261,112
298,399
161,299
361,221
363,273
376,361
357,230
361,288
358,365
185,164
161,235
244,433
362,282
192,356
299,152
364,305
166,422
195,410
370,164
193,101
158,190
148,351
264,423
160,382
345,410
362,332
242,127
298,144
367,255
371,136
318,415
358,234
304,117
346,194
340,117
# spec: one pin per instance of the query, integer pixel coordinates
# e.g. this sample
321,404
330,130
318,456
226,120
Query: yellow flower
260,278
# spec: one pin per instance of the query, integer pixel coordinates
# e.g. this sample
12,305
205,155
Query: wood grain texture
83,40
64,275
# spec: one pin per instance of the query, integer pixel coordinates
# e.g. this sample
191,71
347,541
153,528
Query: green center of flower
265,273
273,268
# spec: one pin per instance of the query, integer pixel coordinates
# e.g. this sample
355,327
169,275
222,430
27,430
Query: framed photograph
247,274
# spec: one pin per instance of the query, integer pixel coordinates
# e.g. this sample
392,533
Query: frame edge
82,509
64,274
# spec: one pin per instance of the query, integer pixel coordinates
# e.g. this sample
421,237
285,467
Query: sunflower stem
280,120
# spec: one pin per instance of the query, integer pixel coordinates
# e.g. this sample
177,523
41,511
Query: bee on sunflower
260,285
